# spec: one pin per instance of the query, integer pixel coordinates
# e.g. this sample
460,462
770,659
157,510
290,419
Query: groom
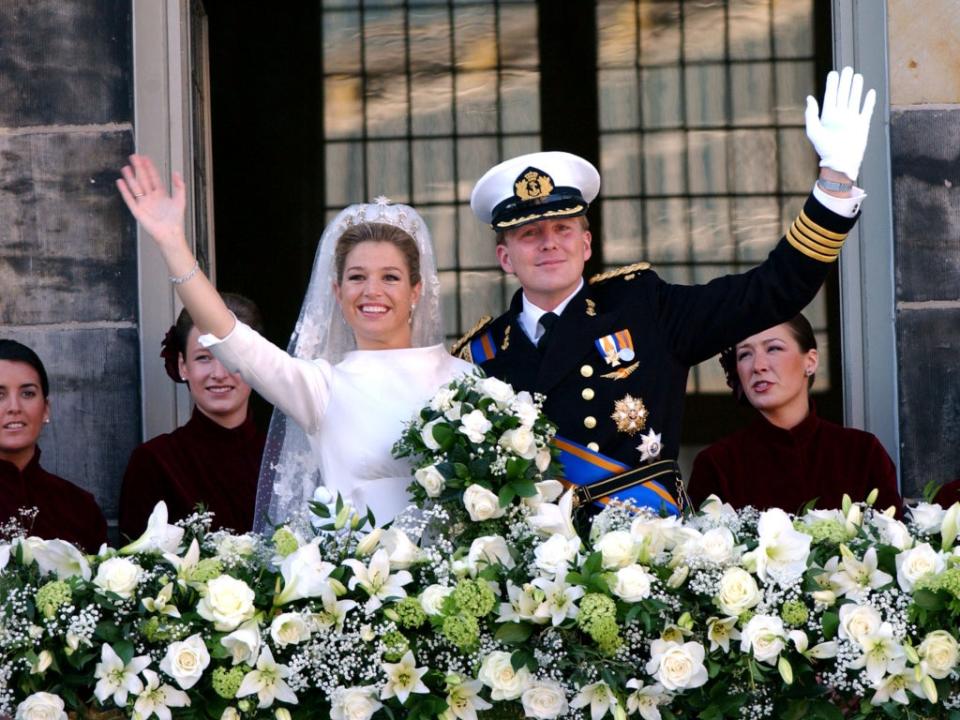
612,353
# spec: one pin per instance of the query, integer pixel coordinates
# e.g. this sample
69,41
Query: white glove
840,134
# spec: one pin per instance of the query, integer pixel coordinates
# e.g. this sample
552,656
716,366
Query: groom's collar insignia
591,308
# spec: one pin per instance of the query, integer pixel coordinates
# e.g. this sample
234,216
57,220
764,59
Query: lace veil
290,472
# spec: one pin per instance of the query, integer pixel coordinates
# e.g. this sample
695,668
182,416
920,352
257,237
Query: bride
366,353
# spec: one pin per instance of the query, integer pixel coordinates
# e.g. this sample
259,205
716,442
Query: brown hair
800,330
584,225
14,351
378,232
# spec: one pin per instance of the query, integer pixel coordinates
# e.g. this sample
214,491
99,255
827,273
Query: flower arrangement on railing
484,602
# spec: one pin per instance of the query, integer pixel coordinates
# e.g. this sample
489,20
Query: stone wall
68,257
924,44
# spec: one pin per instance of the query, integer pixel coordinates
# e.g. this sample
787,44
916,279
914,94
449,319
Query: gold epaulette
462,346
627,272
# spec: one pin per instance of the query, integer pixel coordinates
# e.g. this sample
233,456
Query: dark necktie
547,321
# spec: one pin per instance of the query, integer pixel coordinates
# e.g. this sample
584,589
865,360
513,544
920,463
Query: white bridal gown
352,412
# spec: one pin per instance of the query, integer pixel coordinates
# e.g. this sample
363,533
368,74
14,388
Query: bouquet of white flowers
506,613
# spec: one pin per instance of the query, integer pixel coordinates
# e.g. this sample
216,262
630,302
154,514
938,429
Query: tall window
420,99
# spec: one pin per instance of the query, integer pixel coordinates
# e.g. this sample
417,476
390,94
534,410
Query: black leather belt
663,471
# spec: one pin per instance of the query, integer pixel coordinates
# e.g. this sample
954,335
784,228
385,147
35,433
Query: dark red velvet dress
200,462
66,512
766,466
948,494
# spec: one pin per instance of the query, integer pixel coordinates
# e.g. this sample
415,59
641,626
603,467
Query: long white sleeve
299,388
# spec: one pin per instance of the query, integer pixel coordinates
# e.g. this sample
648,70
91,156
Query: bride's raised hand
160,213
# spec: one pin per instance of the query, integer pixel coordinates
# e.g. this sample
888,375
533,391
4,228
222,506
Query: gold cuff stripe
819,229
814,243
800,246
813,235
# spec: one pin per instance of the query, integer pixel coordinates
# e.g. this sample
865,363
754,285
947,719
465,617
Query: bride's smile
376,295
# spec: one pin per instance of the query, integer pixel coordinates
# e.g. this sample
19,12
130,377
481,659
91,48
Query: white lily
646,699
720,632
244,643
463,700
334,611
782,551
186,564
116,679
61,558
854,577
267,682
559,601
523,604
894,687
598,696
882,654
161,603
376,580
304,574
157,699
403,679
159,537
555,518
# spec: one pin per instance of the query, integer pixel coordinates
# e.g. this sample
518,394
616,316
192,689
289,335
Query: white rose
226,602
243,545
717,545
426,434
497,673
618,549
520,441
738,592
916,563
289,629
525,409
431,480
632,584
118,575
475,426
938,653
432,597
41,706
858,622
651,535
244,643
500,391
893,532
676,666
765,637
556,554
443,399
927,517
402,551
487,550
544,700
482,504
185,661
354,703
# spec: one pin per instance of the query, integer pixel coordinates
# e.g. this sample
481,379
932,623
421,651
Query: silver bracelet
183,278
834,186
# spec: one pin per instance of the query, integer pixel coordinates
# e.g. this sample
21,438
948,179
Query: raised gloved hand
839,134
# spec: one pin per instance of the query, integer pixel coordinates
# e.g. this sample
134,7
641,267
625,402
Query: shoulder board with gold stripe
461,348
625,272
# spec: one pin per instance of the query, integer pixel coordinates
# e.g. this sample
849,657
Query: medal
616,347
630,415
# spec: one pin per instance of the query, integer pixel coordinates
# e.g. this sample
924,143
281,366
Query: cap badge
630,415
533,184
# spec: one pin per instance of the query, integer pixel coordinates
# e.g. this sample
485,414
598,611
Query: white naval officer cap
533,187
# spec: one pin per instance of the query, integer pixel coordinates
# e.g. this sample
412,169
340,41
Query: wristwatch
834,186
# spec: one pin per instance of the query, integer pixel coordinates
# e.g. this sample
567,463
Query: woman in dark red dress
788,456
214,459
64,510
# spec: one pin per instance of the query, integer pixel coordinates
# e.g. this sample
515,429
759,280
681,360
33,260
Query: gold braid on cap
461,347
619,272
